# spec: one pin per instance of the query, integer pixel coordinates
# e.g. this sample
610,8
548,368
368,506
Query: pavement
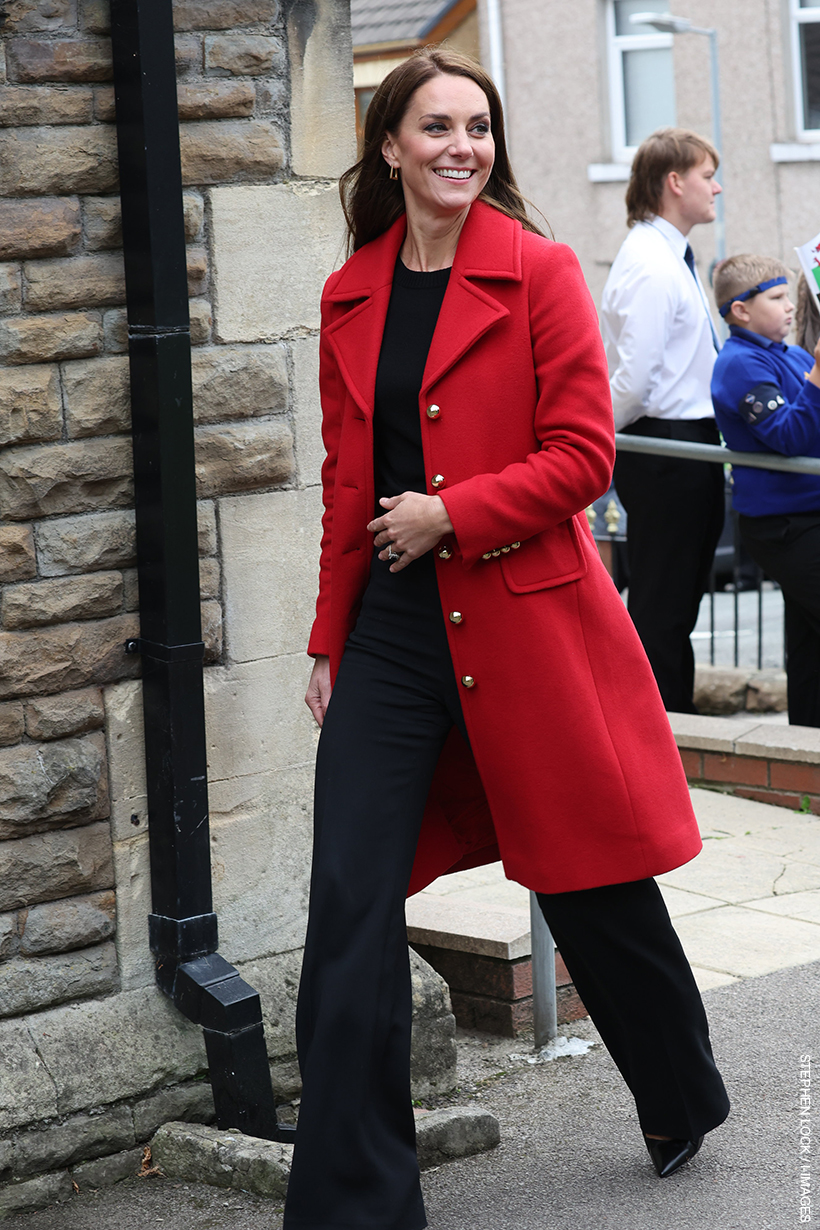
571,1154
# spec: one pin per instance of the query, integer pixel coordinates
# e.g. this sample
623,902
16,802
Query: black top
415,302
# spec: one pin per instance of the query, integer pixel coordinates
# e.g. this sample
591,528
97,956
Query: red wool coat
573,778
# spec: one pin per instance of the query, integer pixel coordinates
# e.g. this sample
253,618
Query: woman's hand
317,696
413,524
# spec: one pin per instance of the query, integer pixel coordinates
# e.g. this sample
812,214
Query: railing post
544,1004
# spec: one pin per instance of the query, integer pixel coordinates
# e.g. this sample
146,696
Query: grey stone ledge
752,738
451,1132
489,931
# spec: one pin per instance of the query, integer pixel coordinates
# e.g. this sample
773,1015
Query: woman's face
444,148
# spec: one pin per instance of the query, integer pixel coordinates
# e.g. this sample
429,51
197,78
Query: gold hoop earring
394,172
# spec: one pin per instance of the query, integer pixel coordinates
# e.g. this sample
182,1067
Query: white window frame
801,16
617,44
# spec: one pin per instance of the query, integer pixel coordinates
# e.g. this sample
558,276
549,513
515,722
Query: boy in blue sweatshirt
767,400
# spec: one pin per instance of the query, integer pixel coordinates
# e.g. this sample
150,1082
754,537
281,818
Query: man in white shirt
661,345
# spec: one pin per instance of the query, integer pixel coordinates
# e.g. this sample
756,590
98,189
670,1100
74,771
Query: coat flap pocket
549,559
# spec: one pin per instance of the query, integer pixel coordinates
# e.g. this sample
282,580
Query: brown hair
668,149
370,199
807,320
740,273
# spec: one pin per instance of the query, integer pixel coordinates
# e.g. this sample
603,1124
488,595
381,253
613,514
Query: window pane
810,63
649,92
623,8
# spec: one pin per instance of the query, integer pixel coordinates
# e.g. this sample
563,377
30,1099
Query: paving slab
747,943
805,906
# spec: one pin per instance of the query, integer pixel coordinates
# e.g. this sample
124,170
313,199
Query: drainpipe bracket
194,652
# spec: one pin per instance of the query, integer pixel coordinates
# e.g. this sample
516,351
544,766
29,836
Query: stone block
323,140
48,866
132,868
452,1132
126,761
261,835
217,150
222,14
193,1103
201,321
491,931
716,734
60,926
12,723
95,280
77,1139
106,1171
21,105
188,54
11,290
95,16
105,105
84,544
62,600
213,100
270,548
433,1048
229,458
44,339
197,265
102,222
115,327
17,558
231,383
40,161
29,986
32,60
720,689
148,1043
195,1153
42,660
801,743
45,227
767,692
243,55
62,783
39,1193
40,16
30,404
263,292
46,480
211,616
206,527
27,1091
277,981
9,943
130,590
97,396
307,410
69,713
193,212
209,578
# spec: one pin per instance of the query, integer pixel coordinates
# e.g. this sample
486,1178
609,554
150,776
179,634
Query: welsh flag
809,257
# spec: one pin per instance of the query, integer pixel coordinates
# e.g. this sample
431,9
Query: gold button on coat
433,412
487,555
468,681
444,553
515,545
438,480
456,617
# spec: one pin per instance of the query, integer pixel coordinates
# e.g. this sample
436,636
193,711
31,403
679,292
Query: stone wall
266,111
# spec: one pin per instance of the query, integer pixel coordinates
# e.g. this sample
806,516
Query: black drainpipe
182,926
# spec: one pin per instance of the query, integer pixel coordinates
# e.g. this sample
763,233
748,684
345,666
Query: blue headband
748,294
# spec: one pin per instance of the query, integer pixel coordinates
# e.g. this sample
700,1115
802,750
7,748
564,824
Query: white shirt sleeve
638,321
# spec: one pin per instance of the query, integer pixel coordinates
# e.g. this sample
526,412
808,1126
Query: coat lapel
489,248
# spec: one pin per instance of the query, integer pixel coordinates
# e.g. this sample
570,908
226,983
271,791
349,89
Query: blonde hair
668,149
740,273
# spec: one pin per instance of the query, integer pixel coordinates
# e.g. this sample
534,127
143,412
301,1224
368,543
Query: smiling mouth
452,173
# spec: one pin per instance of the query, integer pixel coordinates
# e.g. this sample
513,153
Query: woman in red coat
481,688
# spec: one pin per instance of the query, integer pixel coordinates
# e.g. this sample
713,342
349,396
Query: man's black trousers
787,548
394,702
675,517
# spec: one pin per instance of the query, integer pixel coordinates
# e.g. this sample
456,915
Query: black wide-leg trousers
675,512
394,702
787,548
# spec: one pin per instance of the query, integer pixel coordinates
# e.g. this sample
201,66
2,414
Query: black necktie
689,258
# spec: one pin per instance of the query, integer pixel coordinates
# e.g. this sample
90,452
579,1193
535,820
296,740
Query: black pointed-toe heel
669,1155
